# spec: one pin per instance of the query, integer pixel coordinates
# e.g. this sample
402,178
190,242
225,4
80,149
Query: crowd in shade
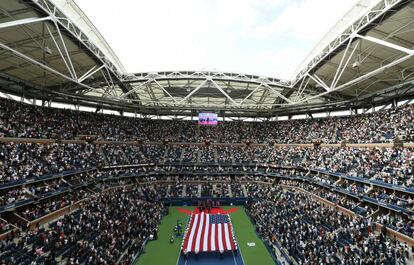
387,165
390,165
5,226
28,160
388,219
47,206
110,228
23,120
312,233
272,204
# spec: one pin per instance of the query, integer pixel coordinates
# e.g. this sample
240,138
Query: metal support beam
193,91
49,8
224,92
278,93
163,89
90,73
317,81
251,93
301,89
60,53
363,77
41,65
386,44
382,8
23,21
66,50
335,82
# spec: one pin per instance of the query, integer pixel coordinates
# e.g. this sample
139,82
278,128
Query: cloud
265,37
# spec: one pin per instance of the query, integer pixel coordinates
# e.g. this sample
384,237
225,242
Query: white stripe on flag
199,232
227,236
190,239
220,241
213,237
206,235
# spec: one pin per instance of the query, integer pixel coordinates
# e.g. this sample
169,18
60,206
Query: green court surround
162,252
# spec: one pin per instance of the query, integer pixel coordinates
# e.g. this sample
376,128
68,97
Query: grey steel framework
50,51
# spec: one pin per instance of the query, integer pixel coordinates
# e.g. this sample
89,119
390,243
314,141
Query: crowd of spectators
27,160
309,229
23,120
263,189
316,234
5,226
50,205
109,225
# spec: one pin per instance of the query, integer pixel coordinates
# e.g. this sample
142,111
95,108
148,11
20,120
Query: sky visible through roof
262,37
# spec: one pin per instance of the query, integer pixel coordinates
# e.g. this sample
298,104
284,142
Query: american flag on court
209,232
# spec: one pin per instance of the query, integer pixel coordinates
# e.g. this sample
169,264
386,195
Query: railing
252,172
139,142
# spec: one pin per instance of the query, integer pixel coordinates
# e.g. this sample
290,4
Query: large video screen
207,119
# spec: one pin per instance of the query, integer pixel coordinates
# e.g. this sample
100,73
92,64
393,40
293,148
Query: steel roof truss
251,93
356,27
163,89
365,76
223,92
90,73
23,21
338,77
386,44
70,69
136,88
193,91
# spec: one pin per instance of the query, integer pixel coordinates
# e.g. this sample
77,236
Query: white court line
234,258
237,241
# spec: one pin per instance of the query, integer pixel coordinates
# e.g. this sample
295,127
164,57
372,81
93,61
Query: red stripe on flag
203,230
210,236
223,237
195,233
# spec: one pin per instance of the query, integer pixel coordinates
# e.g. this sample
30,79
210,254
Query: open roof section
51,51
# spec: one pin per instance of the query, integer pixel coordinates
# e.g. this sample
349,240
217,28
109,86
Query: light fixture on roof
356,64
47,50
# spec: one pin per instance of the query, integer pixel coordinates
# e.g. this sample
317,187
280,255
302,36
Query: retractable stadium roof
51,51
